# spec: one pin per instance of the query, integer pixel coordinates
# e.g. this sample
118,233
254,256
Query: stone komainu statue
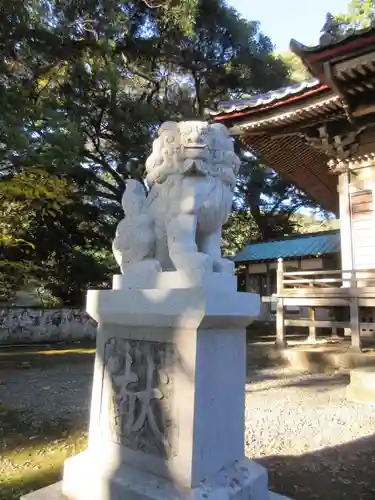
192,174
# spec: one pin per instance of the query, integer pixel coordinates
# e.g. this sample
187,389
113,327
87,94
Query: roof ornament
331,30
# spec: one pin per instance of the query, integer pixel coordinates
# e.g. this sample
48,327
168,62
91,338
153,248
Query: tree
83,87
104,77
360,14
51,237
238,232
94,87
306,223
267,207
180,12
20,197
270,199
297,71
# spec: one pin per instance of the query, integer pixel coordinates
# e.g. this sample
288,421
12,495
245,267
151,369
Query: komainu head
192,147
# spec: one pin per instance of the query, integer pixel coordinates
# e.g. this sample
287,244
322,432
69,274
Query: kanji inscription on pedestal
138,388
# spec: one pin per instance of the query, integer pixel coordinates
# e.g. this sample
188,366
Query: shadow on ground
316,382
345,472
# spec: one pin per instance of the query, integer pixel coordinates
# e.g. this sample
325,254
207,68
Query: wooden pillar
356,344
334,333
247,268
346,237
312,328
280,330
268,290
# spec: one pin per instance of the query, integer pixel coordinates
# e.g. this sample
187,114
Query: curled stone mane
183,146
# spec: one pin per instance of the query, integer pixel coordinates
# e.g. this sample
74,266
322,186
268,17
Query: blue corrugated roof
290,248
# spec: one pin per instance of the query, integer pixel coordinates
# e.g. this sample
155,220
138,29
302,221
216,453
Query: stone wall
20,325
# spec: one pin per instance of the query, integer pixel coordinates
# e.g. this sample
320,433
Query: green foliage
180,12
267,207
270,199
83,87
360,14
297,71
84,95
51,238
305,223
21,196
69,275
238,231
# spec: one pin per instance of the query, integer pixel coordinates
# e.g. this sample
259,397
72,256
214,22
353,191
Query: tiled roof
350,36
345,48
316,110
266,98
290,248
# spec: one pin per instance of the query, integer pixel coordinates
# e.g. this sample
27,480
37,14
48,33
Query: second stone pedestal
167,413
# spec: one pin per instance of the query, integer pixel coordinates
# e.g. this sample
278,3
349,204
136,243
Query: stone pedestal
167,413
362,385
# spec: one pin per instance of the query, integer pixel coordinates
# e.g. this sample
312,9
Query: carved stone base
168,394
129,482
87,479
167,410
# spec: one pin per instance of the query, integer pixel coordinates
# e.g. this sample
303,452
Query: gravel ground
316,444
292,413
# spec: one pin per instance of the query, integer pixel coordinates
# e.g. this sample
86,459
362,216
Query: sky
282,20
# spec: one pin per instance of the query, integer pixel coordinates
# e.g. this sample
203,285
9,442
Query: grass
40,356
33,453
45,352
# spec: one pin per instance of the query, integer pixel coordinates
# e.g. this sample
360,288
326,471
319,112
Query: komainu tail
134,199
134,234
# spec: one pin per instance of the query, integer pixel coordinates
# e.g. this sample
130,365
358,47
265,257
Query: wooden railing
308,279
324,279
325,289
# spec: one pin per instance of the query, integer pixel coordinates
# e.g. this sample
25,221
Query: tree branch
115,190
103,162
136,71
108,196
151,5
198,101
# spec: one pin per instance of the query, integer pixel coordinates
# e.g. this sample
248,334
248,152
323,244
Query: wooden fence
330,289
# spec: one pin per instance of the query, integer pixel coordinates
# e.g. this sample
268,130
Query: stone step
276,496
53,492
362,385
